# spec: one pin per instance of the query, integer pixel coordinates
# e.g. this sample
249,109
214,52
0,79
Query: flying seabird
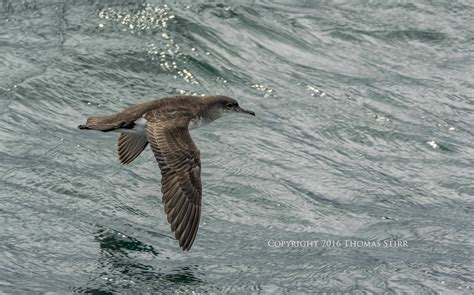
165,124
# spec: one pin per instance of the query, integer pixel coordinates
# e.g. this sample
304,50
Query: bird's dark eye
229,105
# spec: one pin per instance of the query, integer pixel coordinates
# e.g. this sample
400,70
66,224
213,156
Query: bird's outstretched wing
130,146
180,164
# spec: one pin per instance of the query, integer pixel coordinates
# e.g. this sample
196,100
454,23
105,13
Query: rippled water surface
363,136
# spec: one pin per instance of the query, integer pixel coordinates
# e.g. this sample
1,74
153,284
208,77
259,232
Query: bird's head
229,105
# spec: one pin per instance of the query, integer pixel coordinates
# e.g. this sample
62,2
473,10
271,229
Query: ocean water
356,175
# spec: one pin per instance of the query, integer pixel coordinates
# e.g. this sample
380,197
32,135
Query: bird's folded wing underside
179,161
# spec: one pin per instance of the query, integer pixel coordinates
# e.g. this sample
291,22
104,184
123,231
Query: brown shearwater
165,124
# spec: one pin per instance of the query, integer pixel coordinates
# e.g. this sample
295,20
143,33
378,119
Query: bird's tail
101,123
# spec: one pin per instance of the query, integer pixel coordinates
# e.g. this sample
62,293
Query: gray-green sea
356,175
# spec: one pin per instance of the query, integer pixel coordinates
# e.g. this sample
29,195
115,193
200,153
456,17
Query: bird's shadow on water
118,270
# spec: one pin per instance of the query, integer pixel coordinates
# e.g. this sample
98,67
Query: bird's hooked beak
241,110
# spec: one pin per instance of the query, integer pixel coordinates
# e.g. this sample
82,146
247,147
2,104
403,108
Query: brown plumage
165,124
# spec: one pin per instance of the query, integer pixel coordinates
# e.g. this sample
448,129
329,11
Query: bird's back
126,118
